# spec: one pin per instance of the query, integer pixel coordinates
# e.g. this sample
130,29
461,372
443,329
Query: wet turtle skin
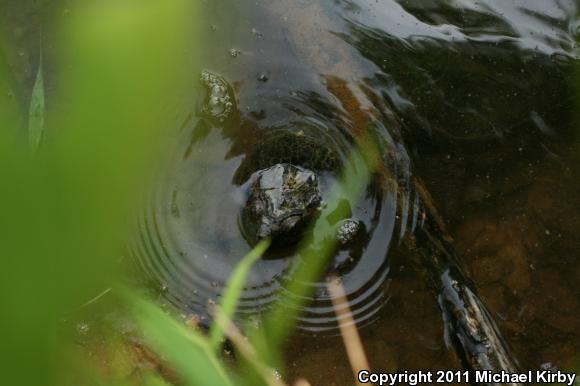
283,200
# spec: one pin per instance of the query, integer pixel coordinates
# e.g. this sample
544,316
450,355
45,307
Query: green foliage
234,288
188,351
63,212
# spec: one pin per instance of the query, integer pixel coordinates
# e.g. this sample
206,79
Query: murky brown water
479,101
483,99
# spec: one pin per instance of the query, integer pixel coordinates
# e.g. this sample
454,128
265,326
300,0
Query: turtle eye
290,222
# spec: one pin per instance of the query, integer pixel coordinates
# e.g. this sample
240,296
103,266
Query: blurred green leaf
186,349
10,117
63,213
155,381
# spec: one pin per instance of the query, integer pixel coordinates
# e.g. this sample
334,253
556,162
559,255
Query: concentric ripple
188,239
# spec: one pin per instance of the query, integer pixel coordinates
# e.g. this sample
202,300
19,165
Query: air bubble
83,328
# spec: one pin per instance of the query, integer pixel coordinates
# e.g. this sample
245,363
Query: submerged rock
283,200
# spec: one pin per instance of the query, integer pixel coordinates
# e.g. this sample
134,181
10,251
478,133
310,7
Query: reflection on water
191,238
478,97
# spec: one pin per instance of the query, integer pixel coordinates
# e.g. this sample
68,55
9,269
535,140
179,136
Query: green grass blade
315,251
233,290
188,351
36,111
155,381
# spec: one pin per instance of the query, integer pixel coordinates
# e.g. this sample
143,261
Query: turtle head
283,200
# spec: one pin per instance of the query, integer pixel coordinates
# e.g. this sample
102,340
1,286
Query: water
477,100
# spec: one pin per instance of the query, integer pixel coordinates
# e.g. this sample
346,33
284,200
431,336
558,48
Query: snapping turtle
283,200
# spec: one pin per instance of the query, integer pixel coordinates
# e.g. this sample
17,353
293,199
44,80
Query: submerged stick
468,324
351,338
245,348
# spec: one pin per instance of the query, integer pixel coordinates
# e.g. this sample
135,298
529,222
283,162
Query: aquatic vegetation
233,291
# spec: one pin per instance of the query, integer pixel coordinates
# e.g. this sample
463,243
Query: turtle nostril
264,231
